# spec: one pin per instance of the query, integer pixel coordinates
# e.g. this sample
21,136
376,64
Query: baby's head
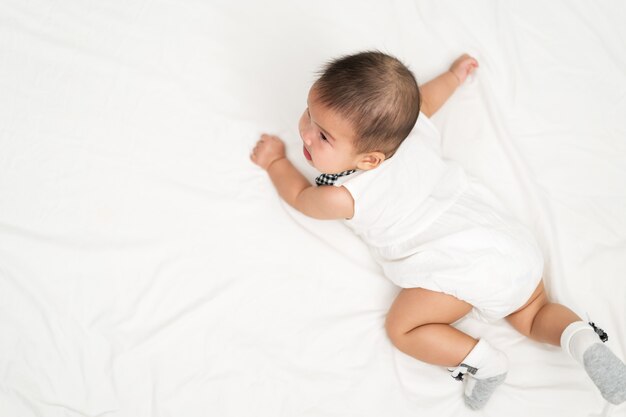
359,111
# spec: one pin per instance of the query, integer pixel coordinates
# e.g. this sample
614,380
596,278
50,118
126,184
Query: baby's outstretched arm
437,91
317,202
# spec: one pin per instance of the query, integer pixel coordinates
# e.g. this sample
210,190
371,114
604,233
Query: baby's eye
323,136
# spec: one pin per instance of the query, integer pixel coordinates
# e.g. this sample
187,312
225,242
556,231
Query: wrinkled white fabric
148,268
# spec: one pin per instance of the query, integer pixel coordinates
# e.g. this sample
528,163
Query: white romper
430,225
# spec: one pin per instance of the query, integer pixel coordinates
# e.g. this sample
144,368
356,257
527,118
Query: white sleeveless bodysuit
430,225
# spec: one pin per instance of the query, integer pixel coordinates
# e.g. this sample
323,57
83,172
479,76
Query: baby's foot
607,371
484,369
478,391
463,66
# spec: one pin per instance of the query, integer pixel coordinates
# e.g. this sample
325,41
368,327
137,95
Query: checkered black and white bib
330,179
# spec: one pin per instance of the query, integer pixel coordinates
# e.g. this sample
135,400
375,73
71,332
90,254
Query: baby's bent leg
419,325
553,323
542,320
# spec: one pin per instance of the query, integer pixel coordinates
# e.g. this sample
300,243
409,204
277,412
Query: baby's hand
463,66
268,150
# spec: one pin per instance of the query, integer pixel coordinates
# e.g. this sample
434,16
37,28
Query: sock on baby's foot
607,372
478,391
605,369
484,369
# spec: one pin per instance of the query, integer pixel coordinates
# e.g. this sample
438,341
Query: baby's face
328,138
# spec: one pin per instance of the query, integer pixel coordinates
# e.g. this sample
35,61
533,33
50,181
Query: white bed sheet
148,268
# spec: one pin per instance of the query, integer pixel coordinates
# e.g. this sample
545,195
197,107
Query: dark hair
377,93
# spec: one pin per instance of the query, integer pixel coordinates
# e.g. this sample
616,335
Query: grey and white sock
478,391
605,369
484,369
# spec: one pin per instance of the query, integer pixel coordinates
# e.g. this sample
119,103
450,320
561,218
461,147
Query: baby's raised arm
324,203
437,91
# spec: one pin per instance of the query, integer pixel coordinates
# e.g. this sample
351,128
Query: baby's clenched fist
463,66
267,150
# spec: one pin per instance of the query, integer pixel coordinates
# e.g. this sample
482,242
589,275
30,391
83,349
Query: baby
437,233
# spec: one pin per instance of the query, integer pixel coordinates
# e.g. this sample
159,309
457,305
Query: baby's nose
306,137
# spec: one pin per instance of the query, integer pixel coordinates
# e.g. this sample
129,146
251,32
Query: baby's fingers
256,150
472,65
266,137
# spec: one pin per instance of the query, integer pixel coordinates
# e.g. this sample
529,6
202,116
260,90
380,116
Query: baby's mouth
307,155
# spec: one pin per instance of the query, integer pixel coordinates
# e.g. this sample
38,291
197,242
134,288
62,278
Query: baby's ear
370,160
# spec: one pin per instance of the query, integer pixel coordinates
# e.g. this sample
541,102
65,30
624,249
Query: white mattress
148,268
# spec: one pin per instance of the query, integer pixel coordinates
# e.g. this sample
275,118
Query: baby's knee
397,328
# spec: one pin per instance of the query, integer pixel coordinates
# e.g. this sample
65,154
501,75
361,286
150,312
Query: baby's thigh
415,307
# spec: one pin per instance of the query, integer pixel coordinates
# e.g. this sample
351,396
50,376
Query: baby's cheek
301,124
